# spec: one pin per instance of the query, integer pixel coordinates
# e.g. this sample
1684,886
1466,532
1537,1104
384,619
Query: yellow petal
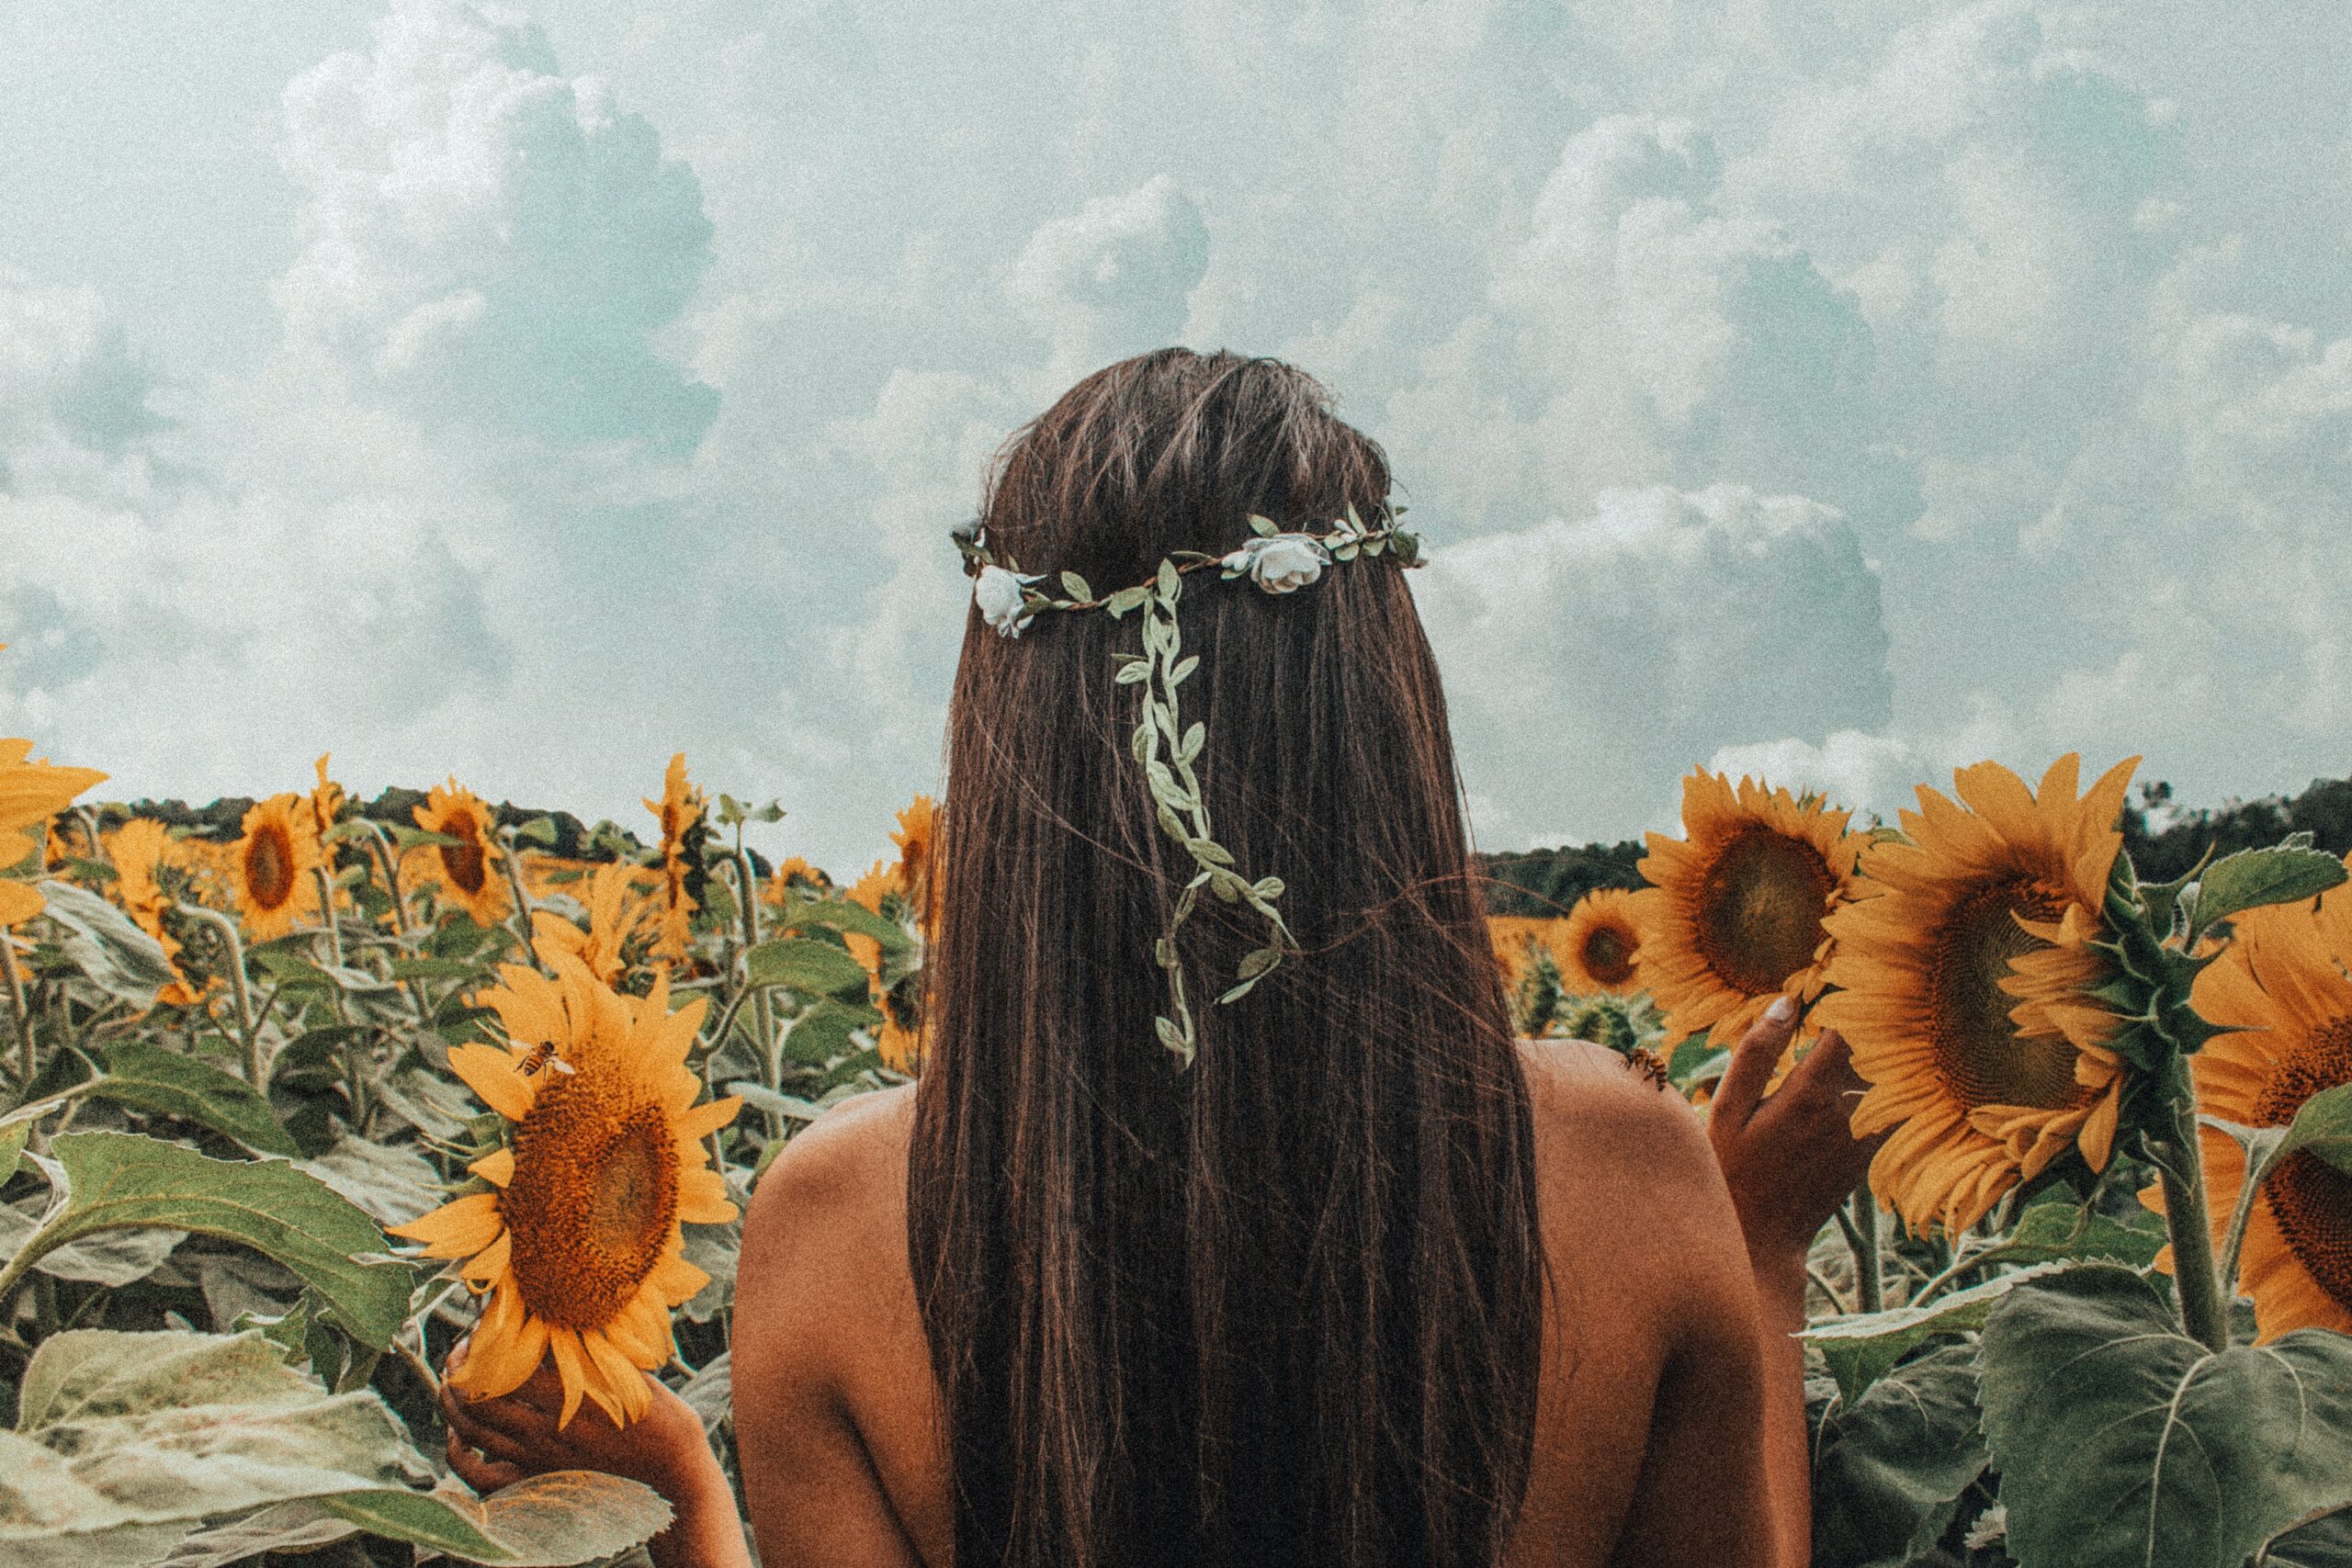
496,1168
702,1198
505,1347
705,1120
620,1377
491,1264
458,1229
18,903
491,1074
677,1280
572,1366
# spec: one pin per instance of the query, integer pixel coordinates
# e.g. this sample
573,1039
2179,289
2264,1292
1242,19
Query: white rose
998,594
1280,562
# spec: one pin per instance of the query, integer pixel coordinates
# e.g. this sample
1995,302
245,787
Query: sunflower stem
1869,1282
747,898
512,859
2204,1310
248,1032
27,1058
382,847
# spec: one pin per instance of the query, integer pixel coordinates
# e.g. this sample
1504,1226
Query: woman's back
1650,1348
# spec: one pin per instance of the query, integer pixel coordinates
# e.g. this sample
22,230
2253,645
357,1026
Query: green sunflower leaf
2121,1441
145,1077
813,968
115,1181
2283,873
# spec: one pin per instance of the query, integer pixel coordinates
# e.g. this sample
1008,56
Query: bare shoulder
824,1234
1594,1100
837,1163
839,1176
1626,1174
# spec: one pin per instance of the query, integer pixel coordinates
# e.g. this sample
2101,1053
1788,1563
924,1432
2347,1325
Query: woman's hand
496,1442
1790,1158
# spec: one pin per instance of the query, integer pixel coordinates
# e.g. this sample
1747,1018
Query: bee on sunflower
30,794
1963,970
271,865
574,1235
467,869
1732,917
2281,995
1597,951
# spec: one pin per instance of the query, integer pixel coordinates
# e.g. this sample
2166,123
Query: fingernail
1783,1009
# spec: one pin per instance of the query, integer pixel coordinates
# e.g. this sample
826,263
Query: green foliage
1549,882
148,1077
1861,1349
125,1442
816,968
1891,1466
2120,1440
111,1181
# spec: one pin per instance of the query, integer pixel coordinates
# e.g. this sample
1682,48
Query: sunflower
1732,916
271,865
29,793
326,800
468,868
917,839
791,869
899,1038
680,810
577,1241
138,850
1959,967
2282,992
613,921
1596,952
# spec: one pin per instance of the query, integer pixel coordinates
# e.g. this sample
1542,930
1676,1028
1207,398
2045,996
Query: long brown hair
1283,1305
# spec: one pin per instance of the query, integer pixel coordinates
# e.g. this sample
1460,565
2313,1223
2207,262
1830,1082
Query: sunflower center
593,1199
464,860
269,866
1979,1054
2311,1199
1759,910
1609,956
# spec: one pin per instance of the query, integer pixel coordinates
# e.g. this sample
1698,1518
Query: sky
1842,391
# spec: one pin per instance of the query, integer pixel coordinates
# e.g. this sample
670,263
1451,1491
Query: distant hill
2165,840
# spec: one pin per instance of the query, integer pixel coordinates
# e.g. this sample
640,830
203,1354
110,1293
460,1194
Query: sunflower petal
457,1229
572,1366
490,1073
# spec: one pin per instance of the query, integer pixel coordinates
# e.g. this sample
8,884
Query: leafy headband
1277,562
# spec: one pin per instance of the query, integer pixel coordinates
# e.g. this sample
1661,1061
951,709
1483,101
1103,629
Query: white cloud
488,241
1590,662
1847,390
1109,279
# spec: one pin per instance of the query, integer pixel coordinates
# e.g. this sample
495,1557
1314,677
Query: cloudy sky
1845,388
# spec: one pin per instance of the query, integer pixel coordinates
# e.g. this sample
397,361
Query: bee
543,1055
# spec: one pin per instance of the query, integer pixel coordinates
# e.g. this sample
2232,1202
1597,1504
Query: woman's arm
1788,1159
805,1311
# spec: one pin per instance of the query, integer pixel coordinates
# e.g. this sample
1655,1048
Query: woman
1366,1281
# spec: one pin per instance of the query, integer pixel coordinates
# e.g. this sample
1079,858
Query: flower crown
1278,563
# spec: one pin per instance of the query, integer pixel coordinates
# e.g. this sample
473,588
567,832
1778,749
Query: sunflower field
291,1108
